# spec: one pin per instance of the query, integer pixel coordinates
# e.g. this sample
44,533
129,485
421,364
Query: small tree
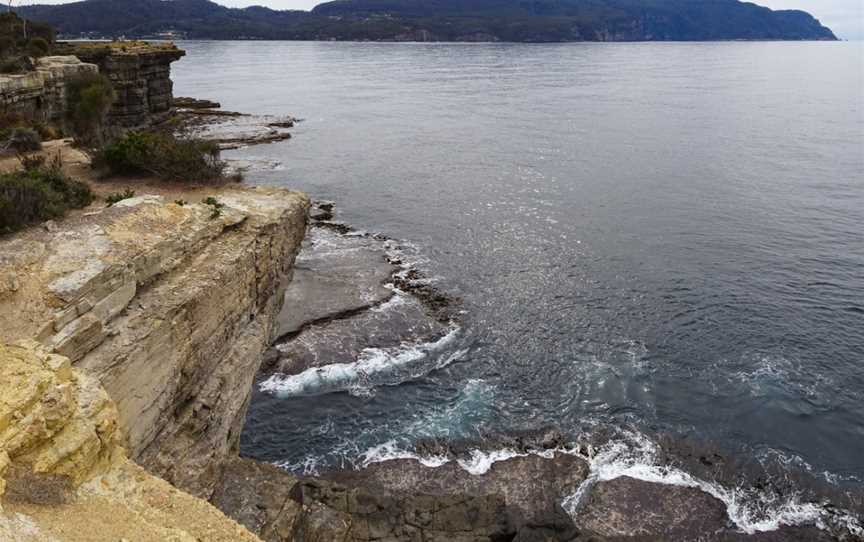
38,47
23,20
89,98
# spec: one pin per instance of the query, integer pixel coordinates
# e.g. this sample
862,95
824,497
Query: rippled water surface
665,236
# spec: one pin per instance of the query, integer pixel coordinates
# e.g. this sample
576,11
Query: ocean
664,238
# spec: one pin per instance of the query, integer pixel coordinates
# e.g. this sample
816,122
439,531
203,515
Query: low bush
38,194
23,140
15,65
89,97
38,47
163,155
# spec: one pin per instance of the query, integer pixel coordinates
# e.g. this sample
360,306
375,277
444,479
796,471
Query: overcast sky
844,17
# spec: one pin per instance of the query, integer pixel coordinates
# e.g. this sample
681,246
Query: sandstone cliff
140,73
41,94
170,306
63,473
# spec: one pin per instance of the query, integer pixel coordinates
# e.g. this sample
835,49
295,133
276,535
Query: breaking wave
374,367
635,456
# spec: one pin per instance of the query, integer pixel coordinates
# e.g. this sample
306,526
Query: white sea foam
374,367
390,451
398,299
635,457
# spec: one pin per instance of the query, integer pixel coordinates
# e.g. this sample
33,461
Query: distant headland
435,20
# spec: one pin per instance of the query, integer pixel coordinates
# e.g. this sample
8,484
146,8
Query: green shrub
89,98
38,47
14,65
162,155
39,194
24,140
216,205
113,198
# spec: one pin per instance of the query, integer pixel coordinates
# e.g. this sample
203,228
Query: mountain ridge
437,20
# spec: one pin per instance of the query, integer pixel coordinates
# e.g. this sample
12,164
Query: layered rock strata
41,94
141,75
170,306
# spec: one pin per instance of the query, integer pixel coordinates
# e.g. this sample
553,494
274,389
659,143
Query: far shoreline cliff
539,21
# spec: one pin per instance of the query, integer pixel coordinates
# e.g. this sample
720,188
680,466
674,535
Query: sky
844,17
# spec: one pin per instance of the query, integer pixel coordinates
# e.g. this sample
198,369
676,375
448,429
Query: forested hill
438,20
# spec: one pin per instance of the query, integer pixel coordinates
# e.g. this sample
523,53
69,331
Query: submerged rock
333,277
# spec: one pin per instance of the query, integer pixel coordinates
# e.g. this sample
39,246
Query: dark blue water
662,236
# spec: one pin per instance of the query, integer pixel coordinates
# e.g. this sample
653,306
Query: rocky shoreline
134,337
536,486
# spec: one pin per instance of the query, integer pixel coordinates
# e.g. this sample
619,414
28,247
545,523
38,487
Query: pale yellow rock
60,441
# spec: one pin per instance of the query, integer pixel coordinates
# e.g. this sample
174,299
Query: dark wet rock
215,113
625,507
287,123
195,103
343,340
336,227
334,512
532,486
322,211
784,534
230,129
332,280
279,508
258,496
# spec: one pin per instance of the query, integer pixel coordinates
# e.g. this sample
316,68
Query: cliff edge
169,304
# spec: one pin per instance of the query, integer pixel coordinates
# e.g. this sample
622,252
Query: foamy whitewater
635,456
374,367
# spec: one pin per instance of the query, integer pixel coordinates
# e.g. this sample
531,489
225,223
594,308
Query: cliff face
169,306
41,95
141,76
63,473
139,72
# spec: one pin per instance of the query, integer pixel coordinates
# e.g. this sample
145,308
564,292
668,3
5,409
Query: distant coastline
540,21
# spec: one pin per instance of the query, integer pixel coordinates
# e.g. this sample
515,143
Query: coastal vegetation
21,40
163,155
89,97
38,192
438,20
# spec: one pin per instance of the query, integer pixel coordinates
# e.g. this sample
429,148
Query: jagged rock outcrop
170,306
63,473
141,75
41,94
280,508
